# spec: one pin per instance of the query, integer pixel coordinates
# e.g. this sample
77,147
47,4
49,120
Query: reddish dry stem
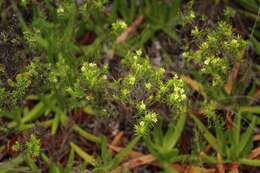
254,153
232,77
129,30
117,138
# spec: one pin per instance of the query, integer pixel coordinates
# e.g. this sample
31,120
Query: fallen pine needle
220,166
132,154
117,138
256,138
136,162
231,78
194,85
254,153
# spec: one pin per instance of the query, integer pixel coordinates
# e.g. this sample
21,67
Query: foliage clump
82,76
217,51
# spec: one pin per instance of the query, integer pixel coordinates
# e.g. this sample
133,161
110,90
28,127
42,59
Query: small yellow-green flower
151,117
141,107
60,10
148,86
119,26
140,128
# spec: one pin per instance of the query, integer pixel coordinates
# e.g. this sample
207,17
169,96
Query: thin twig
254,153
117,139
129,30
232,77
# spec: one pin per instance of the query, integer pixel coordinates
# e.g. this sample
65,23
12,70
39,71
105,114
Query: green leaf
250,162
123,153
154,147
256,44
246,137
237,128
251,15
35,113
171,33
86,135
69,165
250,5
221,136
250,109
7,166
147,34
208,136
87,158
54,169
172,135
32,164
257,34
55,124
105,153
158,135
209,159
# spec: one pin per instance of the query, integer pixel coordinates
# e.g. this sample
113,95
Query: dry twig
129,30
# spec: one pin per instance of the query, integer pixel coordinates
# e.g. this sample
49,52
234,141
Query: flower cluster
229,12
208,108
60,10
147,120
217,49
93,75
189,14
215,66
20,87
118,26
189,17
32,37
60,72
128,84
174,92
99,3
141,76
24,2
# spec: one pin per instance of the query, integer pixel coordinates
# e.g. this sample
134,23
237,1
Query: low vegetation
129,86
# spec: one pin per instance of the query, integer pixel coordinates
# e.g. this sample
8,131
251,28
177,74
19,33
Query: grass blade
86,135
87,158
